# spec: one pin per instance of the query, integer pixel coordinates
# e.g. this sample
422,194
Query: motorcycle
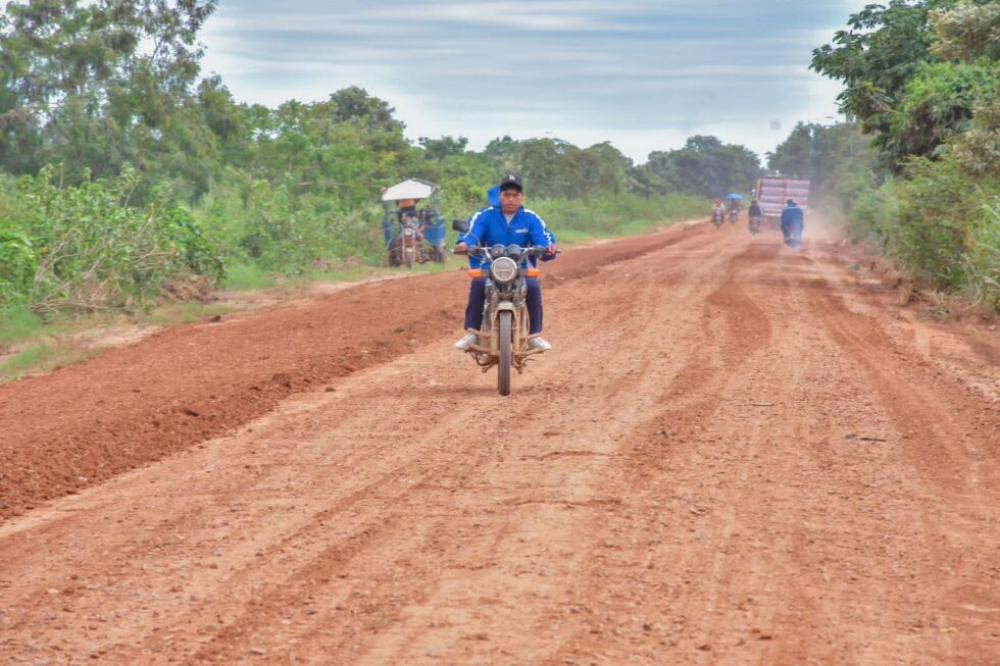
793,235
718,218
503,342
411,242
734,214
755,222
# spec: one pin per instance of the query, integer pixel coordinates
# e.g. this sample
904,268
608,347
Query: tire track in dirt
374,598
262,599
929,408
86,423
674,484
763,554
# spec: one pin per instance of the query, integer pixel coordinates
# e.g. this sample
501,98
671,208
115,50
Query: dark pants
792,231
477,299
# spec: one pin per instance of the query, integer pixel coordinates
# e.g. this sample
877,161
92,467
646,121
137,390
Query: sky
642,74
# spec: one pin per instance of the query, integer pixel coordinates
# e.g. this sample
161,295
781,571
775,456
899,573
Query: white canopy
410,189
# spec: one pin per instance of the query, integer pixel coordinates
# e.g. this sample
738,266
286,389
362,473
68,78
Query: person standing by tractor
510,223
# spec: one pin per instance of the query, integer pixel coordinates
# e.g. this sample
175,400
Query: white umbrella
410,189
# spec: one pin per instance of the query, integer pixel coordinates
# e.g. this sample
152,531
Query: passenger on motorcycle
755,210
506,224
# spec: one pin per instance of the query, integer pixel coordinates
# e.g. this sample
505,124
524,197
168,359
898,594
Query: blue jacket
791,215
489,227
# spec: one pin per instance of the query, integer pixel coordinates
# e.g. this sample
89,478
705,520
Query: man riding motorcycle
755,213
510,223
734,209
792,224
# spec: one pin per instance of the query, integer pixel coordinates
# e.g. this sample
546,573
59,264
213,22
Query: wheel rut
722,461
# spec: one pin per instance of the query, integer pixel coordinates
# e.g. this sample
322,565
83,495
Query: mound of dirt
192,288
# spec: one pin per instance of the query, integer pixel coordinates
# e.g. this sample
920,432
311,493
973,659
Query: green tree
354,104
437,149
877,56
500,147
705,166
967,31
978,149
95,85
936,105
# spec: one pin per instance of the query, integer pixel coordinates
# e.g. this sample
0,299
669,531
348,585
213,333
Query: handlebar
491,253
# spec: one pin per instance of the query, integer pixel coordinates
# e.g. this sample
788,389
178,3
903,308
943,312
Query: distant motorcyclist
718,210
735,206
506,224
792,223
754,215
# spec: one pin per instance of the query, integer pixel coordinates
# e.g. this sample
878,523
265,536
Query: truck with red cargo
774,191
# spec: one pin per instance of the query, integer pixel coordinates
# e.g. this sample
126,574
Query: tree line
918,164
120,165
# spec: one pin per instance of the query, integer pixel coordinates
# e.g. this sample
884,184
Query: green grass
247,277
185,312
568,237
241,276
636,227
366,271
41,358
18,323
572,236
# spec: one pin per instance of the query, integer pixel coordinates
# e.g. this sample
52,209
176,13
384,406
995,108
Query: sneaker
465,344
539,343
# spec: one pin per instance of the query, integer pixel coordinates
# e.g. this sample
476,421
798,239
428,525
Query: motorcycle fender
507,306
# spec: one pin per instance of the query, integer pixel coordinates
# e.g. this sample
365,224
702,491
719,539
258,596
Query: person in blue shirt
505,224
791,223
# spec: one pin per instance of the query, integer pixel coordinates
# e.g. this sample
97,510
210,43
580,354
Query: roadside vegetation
918,168
123,170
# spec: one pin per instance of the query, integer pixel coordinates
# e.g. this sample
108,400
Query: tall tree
99,83
877,56
896,82
438,149
354,104
704,166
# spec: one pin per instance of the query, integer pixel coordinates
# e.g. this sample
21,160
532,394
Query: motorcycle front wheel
504,324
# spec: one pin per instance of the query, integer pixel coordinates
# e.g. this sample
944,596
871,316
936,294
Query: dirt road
734,455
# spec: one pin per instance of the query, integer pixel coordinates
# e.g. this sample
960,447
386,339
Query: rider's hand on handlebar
550,250
461,248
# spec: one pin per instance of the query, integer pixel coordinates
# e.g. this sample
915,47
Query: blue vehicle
412,235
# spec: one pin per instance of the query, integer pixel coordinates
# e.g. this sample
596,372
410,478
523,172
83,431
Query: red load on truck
773,192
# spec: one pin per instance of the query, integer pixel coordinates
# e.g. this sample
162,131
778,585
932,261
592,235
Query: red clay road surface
735,454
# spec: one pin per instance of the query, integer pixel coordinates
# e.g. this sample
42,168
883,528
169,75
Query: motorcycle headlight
407,232
503,269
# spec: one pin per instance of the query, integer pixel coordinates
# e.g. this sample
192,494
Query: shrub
940,209
18,263
982,262
86,248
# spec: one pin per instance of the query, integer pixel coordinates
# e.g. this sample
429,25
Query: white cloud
645,74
